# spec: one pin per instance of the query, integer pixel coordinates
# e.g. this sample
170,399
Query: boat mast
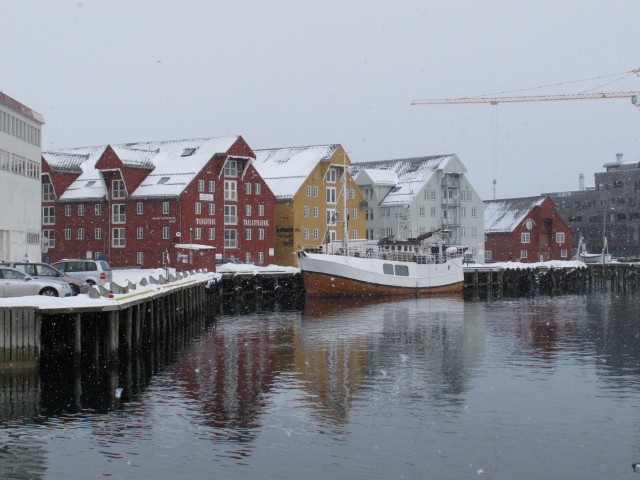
345,226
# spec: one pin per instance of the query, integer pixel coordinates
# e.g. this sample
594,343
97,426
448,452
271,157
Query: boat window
402,270
387,268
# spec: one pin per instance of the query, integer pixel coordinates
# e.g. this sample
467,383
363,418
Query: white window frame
560,238
212,186
117,189
139,208
525,237
118,237
247,208
200,185
230,214
331,195
197,208
166,233
247,234
261,210
67,234
261,234
97,233
139,233
118,213
211,233
231,190
97,209
524,254
67,210
139,258
165,208
212,209
48,215
81,209
247,188
230,238
231,168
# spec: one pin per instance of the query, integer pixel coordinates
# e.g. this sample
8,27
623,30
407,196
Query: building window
260,258
433,211
230,239
47,193
332,175
331,216
230,190
166,232
81,234
140,208
67,234
316,191
305,211
118,238
463,212
331,195
212,186
258,189
230,215
247,257
50,237
211,235
117,213
48,216
474,231
139,233
165,208
67,210
97,233
247,188
306,234
247,210
197,235
488,255
97,209
422,211
308,190
231,168
523,254
563,253
525,237
385,212
261,234
473,212
559,237
315,212
198,208
261,210
212,209
354,214
81,210
117,189
201,185
354,234
247,234
140,258
463,231
316,233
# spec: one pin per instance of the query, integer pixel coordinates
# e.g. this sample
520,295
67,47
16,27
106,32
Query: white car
14,283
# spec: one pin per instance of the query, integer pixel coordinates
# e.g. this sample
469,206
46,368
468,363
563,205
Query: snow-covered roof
66,162
505,215
173,165
286,169
411,173
381,177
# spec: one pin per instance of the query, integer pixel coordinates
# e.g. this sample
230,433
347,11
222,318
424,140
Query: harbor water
440,388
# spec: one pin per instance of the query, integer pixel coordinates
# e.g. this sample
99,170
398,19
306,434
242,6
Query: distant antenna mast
494,188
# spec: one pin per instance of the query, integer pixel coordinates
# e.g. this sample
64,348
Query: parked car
94,272
14,283
222,261
46,271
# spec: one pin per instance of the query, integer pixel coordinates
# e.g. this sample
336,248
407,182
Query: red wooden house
525,229
134,203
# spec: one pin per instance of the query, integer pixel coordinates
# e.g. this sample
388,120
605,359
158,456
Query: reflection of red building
526,230
132,203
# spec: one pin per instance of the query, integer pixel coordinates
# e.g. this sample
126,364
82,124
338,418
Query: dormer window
117,189
231,168
188,152
163,180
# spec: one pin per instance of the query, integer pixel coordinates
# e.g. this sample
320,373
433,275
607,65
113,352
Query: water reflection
413,371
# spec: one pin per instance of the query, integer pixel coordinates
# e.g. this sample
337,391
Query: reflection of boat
390,268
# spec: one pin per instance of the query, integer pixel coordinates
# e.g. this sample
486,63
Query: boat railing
372,251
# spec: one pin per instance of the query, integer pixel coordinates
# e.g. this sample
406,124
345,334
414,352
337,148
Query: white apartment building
407,197
20,160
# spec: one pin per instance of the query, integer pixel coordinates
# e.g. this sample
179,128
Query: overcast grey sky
289,73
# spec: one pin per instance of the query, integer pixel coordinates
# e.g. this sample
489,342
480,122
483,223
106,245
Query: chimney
619,157
581,182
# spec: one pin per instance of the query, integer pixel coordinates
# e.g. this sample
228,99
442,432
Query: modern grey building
20,160
609,209
407,197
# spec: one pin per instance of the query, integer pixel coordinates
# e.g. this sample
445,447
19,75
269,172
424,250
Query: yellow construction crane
534,98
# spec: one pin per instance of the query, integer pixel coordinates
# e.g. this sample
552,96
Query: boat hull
339,276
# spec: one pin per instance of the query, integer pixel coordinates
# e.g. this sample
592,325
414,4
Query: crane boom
535,98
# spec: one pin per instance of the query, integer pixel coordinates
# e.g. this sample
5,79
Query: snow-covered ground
550,264
123,276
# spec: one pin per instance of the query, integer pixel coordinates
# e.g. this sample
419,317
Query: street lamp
190,247
605,246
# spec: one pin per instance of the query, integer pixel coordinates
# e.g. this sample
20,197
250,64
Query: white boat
390,268
593,258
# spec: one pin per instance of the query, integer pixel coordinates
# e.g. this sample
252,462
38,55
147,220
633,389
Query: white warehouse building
20,160
408,197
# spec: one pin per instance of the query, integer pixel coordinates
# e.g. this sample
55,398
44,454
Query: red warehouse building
134,203
526,230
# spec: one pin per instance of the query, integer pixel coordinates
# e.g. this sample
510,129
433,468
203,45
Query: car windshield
105,266
48,271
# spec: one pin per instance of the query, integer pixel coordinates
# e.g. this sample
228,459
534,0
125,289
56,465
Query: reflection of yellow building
310,189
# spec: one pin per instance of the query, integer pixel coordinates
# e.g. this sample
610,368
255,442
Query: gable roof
412,174
164,159
506,214
286,169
